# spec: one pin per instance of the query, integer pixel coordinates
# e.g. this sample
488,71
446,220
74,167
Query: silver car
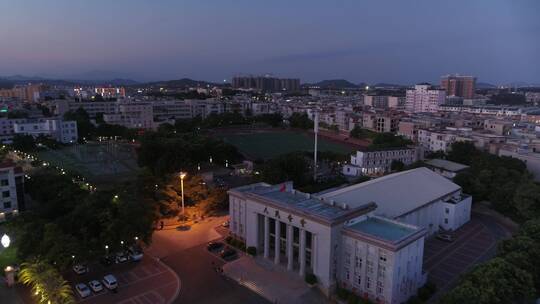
83,290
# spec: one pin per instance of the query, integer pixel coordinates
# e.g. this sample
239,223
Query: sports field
98,162
270,144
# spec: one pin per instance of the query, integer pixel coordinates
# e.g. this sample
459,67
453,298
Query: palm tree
47,284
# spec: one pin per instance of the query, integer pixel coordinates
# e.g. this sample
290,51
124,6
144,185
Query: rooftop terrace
384,229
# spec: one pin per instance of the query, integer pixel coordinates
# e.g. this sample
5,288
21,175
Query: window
368,282
359,279
5,193
380,287
446,221
4,182
7,205
446,210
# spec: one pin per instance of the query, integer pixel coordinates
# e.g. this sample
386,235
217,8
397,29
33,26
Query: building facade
368,237
424,98
374,163
57,129
12,191
460,86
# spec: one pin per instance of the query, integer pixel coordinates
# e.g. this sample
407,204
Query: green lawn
270,144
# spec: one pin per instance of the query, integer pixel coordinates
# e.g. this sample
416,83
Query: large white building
57,129
424,98
378,162
367,237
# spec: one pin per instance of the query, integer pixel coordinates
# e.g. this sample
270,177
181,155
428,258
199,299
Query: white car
95,285
121,257
135,255
82,290
110,282
80,269
225,224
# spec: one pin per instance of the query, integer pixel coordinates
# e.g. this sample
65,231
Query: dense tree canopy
67,220
300,121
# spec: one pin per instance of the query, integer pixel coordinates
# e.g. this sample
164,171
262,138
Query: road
185,253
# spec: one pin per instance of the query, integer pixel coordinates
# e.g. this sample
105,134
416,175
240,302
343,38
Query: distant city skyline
370,41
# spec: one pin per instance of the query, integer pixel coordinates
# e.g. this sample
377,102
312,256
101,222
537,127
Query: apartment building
424,98
457,85
373,163
56,128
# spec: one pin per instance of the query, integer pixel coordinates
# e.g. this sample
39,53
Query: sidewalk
273,282
8,295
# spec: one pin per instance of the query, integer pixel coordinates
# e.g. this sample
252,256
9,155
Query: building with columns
367,237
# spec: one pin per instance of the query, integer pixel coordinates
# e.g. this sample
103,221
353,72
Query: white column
290,255
277,242
302,252
266,236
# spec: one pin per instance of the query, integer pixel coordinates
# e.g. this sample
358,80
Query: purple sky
373,41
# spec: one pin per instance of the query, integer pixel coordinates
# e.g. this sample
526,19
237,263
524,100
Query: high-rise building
424,98
461,86
266,83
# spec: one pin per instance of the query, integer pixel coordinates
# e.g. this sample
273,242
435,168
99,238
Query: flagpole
315,131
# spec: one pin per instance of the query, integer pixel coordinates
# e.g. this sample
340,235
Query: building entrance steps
271,281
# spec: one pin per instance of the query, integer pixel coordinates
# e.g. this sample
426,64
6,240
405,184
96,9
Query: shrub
352,299
311,279
251,251
426,291
229,239
414,300
342,293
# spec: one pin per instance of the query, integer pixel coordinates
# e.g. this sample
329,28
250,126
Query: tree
527,200
387,140
361,133
397,165
292,166
495,282
47,284
463,152
300,121
85,128
25,143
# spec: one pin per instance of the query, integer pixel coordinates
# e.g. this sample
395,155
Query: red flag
282,188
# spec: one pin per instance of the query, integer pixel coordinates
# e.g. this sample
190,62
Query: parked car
214,246
445,237
135,254
121,257
107,260
82,290
80,269
95,285
110,282
228,254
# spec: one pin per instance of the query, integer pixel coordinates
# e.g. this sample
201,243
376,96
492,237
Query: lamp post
182,176
107,249
5,241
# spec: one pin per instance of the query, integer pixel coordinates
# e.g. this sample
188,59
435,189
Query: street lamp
107,249
182,176
5,241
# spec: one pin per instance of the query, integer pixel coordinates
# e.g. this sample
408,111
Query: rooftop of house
303,203
446,165
384,229
397,194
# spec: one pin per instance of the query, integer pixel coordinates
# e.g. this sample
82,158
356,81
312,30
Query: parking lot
144,282
473,243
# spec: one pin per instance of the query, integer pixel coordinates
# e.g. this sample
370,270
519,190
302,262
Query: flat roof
446,165
306,204
397,194
384,229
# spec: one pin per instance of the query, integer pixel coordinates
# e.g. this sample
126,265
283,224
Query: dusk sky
362,41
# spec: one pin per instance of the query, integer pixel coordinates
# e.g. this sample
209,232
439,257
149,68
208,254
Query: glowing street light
5,241
182,176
